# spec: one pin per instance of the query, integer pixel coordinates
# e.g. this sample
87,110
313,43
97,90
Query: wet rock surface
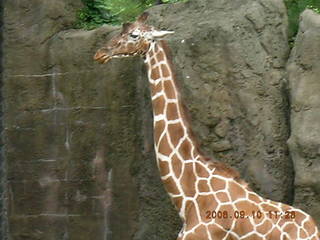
78,165
231,65
58,179
303,74
78,135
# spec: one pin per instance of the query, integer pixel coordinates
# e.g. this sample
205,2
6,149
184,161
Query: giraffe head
134,39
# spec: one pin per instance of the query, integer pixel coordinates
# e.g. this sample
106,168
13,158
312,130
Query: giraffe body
212,201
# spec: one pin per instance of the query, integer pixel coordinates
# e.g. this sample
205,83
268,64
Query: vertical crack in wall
3,212
287,98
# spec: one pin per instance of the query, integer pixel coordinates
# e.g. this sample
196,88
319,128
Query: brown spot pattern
254,198
177,201
216,232
164,147
176,165
158,130
217,184
188,180
155,88
163,167
225,222
176,133
264,227
258,220
267,208
236,191
165,71
243,226
155,73
169,90
248,208
160,56
153,61
222,197
185,150
302,233
201,171
203,186
299,217
158,105
291,229
207,203
275,234
170,186
172,111
309,227
191,215
191,236
201,232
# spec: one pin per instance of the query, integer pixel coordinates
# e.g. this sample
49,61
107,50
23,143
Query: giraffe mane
221,167
184,111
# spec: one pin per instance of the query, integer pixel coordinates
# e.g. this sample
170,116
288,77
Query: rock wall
232,67
78,135
78,163
3,222
303,74
57,187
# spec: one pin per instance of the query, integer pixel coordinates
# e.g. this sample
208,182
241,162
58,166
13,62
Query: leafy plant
295,8
122,10
316,9
170,1
98,12
90,16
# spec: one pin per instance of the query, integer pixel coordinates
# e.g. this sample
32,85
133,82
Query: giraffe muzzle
101,57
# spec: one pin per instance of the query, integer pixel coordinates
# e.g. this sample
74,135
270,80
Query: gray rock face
112,112
3,221
28,26
78,148
58,181
231,65
303,72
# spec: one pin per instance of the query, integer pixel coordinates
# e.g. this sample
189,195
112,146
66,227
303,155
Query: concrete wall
3,221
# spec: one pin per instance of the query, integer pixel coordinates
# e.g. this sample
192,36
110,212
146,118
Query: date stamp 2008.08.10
253,214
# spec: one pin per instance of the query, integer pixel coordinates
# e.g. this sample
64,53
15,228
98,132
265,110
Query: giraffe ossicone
212,200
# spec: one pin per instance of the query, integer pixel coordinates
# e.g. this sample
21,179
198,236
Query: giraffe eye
134,35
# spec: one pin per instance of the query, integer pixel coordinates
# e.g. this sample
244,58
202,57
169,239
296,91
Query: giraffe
212,200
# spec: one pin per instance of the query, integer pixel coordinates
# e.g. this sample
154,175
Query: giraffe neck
174,145
197,188
172,134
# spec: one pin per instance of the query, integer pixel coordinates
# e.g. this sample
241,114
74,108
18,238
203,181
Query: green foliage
316,9
170,1
295,8
98,12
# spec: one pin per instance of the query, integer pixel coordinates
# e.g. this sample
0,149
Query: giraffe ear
143,17
125,27
161,34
